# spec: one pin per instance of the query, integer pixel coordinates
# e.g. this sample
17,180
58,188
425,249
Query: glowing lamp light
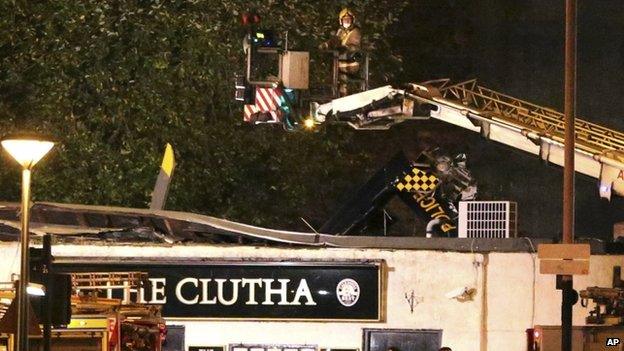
308,123
35,289
27,152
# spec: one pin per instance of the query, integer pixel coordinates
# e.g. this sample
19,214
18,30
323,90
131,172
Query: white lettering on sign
226,292
303,291
178,291
220,289
252,289
282,291
129,292
158,290
204,300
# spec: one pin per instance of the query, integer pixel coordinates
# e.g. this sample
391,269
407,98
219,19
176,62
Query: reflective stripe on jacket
350,39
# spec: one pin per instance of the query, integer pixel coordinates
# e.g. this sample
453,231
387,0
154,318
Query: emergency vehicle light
308,123
263,38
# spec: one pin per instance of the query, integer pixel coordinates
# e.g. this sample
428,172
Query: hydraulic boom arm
599,151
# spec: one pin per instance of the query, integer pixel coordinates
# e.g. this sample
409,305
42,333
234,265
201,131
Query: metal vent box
487,219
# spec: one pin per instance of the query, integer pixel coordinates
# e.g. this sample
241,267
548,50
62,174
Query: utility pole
565,282
47,299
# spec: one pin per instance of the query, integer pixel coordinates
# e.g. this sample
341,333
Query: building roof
88,224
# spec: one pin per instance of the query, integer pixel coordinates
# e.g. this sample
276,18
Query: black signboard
206,348
284,290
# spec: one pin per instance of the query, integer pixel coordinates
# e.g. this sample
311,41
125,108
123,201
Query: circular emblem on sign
348,292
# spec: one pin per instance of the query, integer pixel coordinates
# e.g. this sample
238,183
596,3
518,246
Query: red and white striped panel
250,110
267,100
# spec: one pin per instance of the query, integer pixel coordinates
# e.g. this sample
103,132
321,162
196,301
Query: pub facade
253,298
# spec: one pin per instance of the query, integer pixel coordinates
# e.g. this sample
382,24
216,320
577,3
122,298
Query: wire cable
534,280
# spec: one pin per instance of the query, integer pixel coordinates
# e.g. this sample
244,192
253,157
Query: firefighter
347,41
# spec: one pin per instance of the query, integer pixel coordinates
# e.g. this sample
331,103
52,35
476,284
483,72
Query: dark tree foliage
113,81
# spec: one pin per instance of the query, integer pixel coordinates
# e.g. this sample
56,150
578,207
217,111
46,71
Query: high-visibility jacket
351,40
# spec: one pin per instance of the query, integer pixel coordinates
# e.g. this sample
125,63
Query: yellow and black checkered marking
417,181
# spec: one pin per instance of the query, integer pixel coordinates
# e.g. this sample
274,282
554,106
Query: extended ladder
599,151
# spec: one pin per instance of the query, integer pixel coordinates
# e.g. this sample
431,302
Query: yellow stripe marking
168,162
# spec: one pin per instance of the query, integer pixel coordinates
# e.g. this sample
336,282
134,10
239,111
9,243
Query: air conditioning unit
487,219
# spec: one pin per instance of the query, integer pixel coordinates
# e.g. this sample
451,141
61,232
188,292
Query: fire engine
284,97
99,323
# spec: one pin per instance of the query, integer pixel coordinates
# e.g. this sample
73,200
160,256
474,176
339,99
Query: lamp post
27,151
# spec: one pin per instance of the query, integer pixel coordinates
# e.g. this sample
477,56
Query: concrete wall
503,307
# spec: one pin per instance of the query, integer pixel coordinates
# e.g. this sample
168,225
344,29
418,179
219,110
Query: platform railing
364,73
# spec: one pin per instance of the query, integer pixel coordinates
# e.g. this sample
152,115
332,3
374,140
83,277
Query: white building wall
496,319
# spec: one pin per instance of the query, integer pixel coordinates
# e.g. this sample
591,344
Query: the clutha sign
336,291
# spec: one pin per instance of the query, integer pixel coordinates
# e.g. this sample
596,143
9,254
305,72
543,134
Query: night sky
515,47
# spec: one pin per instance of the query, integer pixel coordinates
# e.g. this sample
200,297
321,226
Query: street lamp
27,151
35,289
